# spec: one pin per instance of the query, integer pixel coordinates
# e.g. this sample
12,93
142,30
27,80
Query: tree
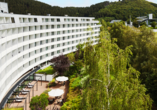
71,57
61,64
113,84
153,24
143,24
39,102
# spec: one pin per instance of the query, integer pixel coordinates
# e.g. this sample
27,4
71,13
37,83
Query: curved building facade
26,41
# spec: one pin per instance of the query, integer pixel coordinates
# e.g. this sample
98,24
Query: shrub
46,91
76,83
48,70
153,24
39,102
51,83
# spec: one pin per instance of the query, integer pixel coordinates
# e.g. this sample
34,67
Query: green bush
48,70
76,83
51,83
39,102
46,91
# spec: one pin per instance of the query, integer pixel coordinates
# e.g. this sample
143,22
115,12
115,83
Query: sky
77,3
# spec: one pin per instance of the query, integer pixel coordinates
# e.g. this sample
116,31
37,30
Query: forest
106,10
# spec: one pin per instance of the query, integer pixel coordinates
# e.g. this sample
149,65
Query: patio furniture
18,99
24,91
61,102
55,92
61,79
29,85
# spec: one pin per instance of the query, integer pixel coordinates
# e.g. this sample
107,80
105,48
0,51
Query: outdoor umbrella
62,78
55,92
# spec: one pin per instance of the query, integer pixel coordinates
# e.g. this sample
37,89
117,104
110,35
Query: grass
156,34
13,109
48,70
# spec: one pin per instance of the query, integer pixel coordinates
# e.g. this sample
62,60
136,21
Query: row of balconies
4,33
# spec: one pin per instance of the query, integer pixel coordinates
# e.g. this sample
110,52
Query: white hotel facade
27,41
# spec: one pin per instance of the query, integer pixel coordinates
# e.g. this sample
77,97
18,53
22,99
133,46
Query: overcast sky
77,3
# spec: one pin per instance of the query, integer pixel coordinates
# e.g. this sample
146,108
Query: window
35,43
52,46
52,26
63,44
47,26
68,43
76,25
12,20
63,50
68,37
72,47
63,25
35,20
52,20
40,57
35,27
58,20
46,48
58,32
68,19
73,36
68,48
41,50
58,45
35,51
76,19
72,25
76,41
58,26
68,31
35,60
63,32
52,33
68,25
40,42
58,39
52,40
58,51
47,34
76,35
72,42
52,53
46,55
63,38
41,27
47,20
40,34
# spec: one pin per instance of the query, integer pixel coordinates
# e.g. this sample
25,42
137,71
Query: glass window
46,55
58,32
68,25
40,42
68,37
35,43
73,36
58,51
58,20
68,48
47,34
68,43
40,57
52,40
47,41
68,31
52,20
63,38
47,26
52,26
58,45
52,33
63,50
52,46
52,53
46,19
41,50
58,26
35,51
58,39
46,48
72,41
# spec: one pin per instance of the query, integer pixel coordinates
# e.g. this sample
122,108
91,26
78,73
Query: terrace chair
18,99
29,85
24,91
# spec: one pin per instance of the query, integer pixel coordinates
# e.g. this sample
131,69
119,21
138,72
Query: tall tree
60,64
113,84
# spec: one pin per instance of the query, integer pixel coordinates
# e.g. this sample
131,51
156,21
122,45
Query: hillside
39,8
122,10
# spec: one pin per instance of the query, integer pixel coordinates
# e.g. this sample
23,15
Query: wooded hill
107,10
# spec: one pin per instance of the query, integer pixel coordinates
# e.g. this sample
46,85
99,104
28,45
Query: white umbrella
55,92
62,78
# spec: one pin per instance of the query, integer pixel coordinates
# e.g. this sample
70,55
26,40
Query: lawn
13,109
48,70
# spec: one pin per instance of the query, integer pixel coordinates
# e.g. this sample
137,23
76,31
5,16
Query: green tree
113,84
71,57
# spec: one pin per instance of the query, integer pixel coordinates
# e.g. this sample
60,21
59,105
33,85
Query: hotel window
52,46
52,20
76,41
63,38
76,30
41,42
35,51
76,36
72,42
47,34
63,32
40,57
35,43
68,25
72,47
52,33
63,50
35,27
46,19
41,50
64,19
63,44
58,45
68,19
12,20
58,39
41,27
58,26
52,26
72,19
72,36
35,20
68,31
35,60
52,40
58,32
68,49
76,19
76,25
72,25
58,51
72,31
63,25
47,26
46,48
68,37
52,53
58,20
46,55
68,43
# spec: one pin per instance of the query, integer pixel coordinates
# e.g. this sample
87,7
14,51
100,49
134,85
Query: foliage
135,23
110,76
39,102
48,70
143,23
154,24
73,97
71,57
51,83
76,83
46,91
61,64
144,50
